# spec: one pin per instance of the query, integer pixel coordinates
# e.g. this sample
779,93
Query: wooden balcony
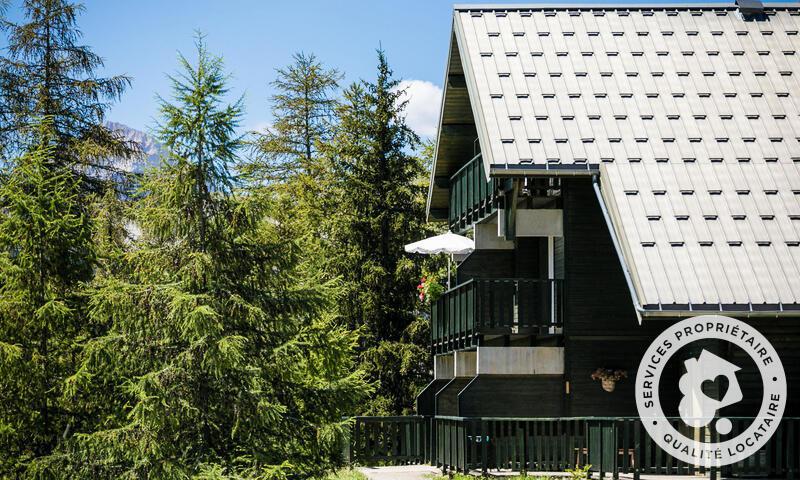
510,306
472,197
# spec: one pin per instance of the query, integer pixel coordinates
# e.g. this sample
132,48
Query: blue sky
141,38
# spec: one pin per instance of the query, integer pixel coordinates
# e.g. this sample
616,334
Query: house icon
698,409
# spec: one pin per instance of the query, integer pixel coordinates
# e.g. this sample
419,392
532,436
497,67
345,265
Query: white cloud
424,101
260,127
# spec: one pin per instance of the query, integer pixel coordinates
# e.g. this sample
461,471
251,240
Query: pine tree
379,205
45,252
48,73
219,359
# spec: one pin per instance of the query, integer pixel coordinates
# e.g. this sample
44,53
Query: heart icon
717,388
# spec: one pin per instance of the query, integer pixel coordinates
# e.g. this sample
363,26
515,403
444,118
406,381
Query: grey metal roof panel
708,234
556,84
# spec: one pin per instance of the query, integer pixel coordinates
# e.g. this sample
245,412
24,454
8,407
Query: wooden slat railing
611,445
472,197
398,440
616,445
495,306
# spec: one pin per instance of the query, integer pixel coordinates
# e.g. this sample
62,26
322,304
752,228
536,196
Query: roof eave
649,313
431,183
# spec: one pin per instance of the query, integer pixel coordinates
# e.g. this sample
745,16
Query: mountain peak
152,150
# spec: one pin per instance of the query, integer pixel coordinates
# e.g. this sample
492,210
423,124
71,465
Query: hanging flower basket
609,377
429,289
608,384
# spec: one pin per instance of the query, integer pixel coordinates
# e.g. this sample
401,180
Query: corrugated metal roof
575,87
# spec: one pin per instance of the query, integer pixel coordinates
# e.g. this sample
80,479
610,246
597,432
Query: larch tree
49,74
287,160
45,251
219,360
379,207
286,163
303,117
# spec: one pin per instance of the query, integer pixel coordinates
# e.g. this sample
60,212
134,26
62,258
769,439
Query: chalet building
620,168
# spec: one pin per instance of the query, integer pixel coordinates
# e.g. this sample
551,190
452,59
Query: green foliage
431,286
303,111
578,472
221,321
48,73
352,192
345,475
45,252
286,165
460,476
377,206
200,133
216,359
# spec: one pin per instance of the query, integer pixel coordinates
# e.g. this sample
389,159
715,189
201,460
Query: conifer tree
303,112
287,163
379,206
45,252
219,360
48,73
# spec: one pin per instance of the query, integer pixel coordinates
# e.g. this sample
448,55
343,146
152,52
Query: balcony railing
472,197
464,314
615,445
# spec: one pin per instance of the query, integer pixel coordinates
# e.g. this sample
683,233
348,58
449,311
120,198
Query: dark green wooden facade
552,422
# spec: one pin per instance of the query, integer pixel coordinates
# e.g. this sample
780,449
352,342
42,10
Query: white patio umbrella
449,243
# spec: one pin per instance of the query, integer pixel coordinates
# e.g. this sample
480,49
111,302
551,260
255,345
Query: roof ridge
617,6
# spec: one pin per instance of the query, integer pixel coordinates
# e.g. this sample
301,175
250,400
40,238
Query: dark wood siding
598,300
531,257
625,352
487,264
512,396
447,397
784,335
426,400
600,324
598,312
586,397
527,260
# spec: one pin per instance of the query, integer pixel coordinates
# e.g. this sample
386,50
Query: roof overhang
456,133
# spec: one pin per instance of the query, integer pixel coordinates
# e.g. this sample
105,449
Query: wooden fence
613,446
390,440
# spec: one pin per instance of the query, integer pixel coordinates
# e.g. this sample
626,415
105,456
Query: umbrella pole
449,259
